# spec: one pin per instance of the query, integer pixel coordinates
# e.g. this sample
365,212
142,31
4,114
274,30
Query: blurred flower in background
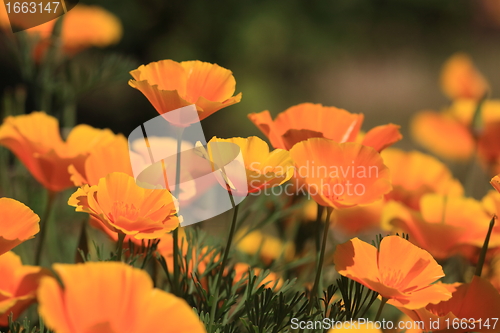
35,139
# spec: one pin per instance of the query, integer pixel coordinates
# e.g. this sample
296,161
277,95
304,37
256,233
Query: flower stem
44,225
224,262
381,306
484,250
119,246
319,268
175,232
319,215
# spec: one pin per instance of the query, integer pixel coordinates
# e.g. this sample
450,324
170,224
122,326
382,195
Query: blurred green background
377,57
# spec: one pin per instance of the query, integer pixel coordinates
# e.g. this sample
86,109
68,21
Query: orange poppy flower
474,306
264,169
443,135
18,286
414,174
83,27
444,224
170,85
307,120
269,247
111,297
103,160
461,79
36,141
123,206
18,224
400,271
340,174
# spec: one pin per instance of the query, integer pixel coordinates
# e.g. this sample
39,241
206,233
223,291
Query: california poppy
83,27
442,134
474,306
461,79
444,224
18,223
103,160
454,135
170,85
18,285
340,174
420,175
35,140
264,169
399,271
307,120
123,206
111,297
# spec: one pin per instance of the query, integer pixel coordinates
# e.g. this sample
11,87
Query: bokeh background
378,57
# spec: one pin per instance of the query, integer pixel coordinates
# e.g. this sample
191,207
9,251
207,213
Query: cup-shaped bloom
414,174
123,206
83,27
442,134
103,160
307,120
461,79
36,141
170,85
449,133
111,297
399,271
340,174
18,224
473,307
264,169
444,225
18,285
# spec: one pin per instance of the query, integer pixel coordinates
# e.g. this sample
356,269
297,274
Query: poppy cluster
353,183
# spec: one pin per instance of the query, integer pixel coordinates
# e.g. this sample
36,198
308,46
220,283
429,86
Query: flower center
392,277
122,209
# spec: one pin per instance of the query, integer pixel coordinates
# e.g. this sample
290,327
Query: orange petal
442,135
417,266
210,81
357,260
461,79
18,223
341,175
381,137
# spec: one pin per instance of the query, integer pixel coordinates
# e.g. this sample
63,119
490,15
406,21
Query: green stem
224,262
119,246
484,250
175,233
319,214
319,268
379,312
44,225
